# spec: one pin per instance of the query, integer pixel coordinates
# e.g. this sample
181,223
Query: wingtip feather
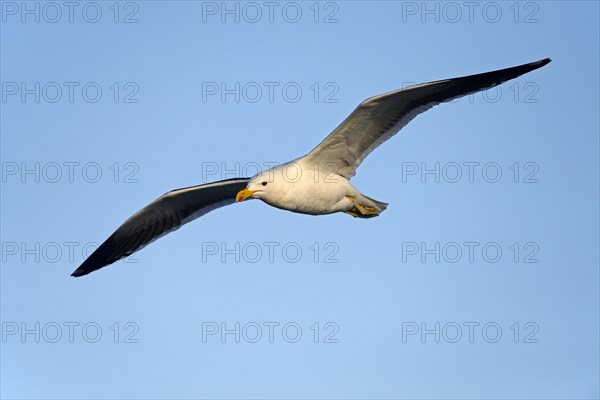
540,63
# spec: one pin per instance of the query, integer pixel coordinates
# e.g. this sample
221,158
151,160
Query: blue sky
480,280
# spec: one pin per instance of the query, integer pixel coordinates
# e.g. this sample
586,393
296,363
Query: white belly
308,195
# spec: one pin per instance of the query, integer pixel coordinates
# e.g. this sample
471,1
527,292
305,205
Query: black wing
164,215
379,118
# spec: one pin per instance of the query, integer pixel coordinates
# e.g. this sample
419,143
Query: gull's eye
264,183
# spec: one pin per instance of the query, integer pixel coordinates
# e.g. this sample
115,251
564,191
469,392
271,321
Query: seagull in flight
316,184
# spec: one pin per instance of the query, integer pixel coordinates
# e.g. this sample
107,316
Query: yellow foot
362,211
354,212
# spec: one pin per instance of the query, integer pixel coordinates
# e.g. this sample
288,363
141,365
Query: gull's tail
365,207
380,205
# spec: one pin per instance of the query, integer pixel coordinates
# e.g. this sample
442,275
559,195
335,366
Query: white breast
306,189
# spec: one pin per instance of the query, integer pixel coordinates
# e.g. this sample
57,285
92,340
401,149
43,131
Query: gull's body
303,186
316,184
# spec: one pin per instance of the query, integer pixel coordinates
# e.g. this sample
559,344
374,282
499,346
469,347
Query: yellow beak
244,194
